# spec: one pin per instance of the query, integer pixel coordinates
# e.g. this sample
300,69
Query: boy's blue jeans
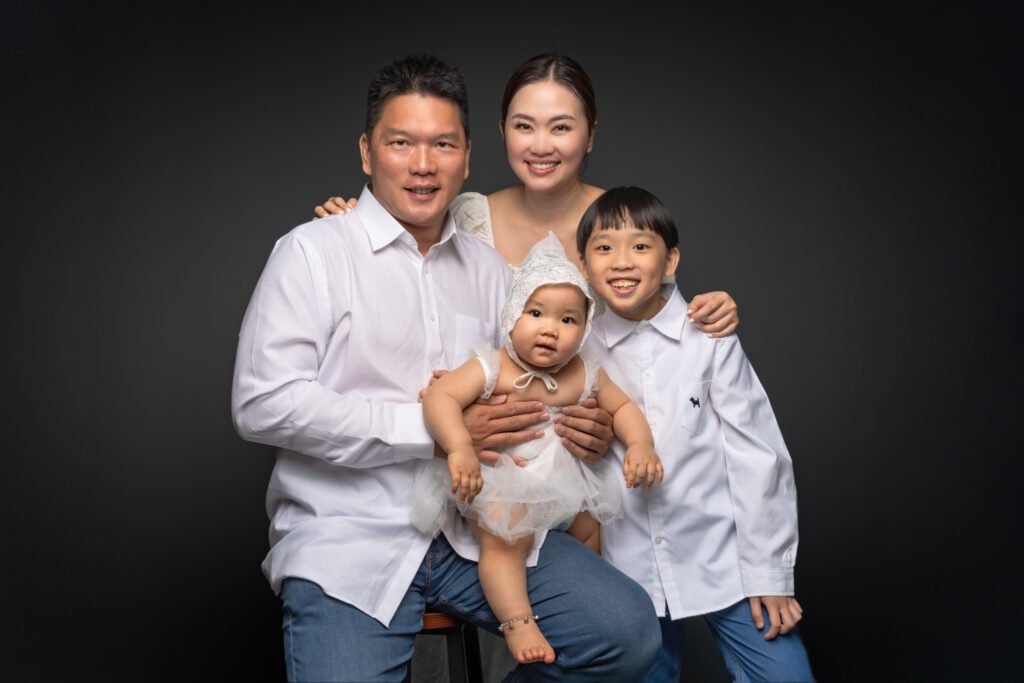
748,656
600,623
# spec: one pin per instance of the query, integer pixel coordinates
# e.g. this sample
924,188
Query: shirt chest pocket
471,332
693,398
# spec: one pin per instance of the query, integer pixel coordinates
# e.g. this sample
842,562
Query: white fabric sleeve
490,361
760,474
276,398
591,371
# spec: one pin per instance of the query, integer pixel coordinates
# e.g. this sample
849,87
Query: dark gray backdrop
845,171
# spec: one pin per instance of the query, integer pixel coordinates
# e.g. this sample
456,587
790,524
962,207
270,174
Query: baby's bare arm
641,464
443,403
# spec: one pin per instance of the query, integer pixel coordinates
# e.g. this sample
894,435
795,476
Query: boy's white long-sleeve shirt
723,524
343,329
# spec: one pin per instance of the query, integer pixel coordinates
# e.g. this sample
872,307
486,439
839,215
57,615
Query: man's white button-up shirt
345,325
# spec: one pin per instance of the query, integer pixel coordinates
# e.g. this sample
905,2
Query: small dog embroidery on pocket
695,401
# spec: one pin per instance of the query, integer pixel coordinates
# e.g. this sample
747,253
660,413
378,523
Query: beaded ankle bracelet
511,623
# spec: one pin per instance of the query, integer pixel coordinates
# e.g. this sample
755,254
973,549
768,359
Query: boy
719,537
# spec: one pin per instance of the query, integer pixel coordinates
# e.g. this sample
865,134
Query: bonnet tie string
523,380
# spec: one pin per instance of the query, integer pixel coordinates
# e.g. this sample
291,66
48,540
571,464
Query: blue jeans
600,623
748,656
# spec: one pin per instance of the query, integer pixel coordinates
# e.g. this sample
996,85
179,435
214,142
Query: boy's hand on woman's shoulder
715,313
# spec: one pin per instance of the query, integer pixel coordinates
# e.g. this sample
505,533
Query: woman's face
546,135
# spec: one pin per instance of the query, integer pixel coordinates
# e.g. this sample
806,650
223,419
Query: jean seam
463,610
290,664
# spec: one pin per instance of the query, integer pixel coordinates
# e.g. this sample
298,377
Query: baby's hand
464,467
434,376
640,463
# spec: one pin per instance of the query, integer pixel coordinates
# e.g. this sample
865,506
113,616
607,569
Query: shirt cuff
758,582
408,430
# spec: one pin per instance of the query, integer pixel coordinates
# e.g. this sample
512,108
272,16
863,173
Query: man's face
417,158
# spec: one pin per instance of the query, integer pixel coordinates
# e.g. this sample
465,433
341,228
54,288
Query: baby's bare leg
502,570
587,531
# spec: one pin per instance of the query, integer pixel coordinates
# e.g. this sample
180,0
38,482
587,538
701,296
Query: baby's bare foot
528,644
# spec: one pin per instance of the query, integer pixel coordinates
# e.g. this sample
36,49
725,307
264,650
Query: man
349,318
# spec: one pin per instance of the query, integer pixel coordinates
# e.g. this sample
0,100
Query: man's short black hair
418,75
620,206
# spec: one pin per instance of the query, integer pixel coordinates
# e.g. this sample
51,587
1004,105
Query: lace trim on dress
472,214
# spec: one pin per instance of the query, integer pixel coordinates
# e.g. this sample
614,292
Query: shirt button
426,270
657,540
433,317
647,375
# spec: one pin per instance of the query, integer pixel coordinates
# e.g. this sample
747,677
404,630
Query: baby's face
549,331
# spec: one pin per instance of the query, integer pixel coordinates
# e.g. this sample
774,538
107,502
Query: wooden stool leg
475,669
462,648
456,655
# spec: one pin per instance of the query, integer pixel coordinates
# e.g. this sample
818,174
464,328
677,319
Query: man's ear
469,148
671,262
364,153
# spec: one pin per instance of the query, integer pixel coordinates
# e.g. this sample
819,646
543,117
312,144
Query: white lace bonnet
545,264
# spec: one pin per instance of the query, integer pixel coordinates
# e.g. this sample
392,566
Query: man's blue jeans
600,623
748,656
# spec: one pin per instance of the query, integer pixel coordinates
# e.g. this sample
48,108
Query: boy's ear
671,262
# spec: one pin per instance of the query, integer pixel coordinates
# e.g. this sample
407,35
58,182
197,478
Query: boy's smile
625,267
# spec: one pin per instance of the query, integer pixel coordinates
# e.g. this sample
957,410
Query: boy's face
549,331
625,268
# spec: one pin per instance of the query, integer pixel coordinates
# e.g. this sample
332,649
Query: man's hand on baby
334,205
586,430
642,465
492,458
464,468
784,613
498,423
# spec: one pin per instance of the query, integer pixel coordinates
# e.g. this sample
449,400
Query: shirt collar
669,321
382,227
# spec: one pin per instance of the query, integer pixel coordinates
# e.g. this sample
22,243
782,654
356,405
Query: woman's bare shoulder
505,195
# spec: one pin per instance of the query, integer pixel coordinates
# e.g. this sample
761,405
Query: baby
538,485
